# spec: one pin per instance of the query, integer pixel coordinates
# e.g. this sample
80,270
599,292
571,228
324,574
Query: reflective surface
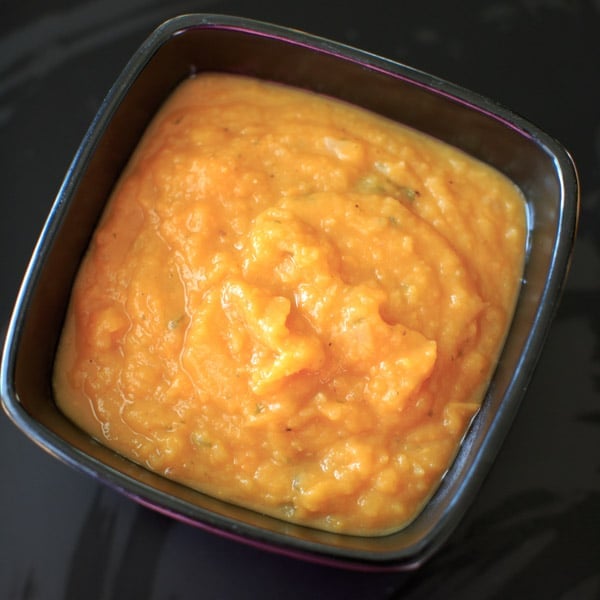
534,530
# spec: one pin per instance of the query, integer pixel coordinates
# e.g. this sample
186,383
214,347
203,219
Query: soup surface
292,304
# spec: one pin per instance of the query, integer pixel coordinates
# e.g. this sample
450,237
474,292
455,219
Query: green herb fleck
199,440
173,323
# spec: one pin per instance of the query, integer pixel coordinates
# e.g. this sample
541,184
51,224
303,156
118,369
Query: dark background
534,530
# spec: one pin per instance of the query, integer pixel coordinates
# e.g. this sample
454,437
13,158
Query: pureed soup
292,304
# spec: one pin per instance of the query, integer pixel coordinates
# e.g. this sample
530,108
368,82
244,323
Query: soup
292,304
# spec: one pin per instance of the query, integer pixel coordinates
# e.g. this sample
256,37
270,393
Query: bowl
194,43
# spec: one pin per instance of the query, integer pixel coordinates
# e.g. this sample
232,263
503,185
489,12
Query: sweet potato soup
292,304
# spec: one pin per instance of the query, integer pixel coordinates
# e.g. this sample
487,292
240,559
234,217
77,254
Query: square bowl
189,44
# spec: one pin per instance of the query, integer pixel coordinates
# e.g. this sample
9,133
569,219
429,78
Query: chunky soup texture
292,304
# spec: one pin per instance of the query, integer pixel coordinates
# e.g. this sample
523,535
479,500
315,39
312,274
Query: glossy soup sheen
292,304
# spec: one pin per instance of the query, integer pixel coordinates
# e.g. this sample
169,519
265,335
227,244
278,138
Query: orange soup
292,304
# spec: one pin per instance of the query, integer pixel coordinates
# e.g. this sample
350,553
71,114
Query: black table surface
534,529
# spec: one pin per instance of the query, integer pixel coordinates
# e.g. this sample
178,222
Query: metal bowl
195,43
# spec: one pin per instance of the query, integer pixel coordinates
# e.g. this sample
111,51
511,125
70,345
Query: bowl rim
413,555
